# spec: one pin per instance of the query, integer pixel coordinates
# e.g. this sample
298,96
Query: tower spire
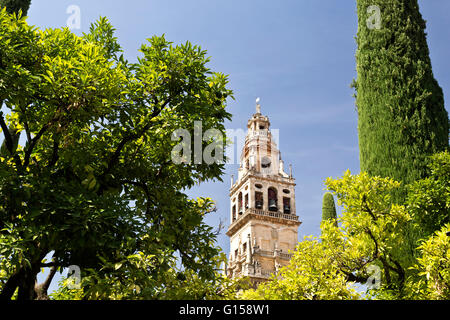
258,106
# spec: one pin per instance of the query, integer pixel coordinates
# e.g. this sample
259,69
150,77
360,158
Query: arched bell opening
258,200
246,201
273,202
240,210
286,205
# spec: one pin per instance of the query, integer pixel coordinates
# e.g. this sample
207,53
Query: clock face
265,162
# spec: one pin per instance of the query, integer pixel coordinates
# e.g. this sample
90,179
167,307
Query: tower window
244,247
265,162
286,205
261,127
258,200
246,201
240,203
234,213
273,205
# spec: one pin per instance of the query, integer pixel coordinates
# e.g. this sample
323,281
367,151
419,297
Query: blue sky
297,55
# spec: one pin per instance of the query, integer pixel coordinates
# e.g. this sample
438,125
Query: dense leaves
93,182
14,6
401,114
313,274
368,245
135,278
434,267
429,198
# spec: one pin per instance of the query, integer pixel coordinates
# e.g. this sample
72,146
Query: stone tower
263,221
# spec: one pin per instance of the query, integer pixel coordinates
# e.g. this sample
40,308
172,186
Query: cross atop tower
258,106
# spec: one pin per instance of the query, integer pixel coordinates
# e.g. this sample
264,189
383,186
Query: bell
272,205
287,208
258,204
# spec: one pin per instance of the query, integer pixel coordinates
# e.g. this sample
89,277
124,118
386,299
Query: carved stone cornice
258,176
255,214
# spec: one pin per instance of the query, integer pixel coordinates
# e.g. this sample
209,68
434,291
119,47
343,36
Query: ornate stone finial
258,106
290,171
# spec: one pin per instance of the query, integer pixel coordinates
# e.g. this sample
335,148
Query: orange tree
92,181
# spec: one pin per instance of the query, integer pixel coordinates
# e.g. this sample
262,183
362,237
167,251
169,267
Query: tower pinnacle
258,106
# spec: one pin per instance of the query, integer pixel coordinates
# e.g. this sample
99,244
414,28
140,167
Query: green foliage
401,114
14,6
65,292
134,279
94,182
328,207
434,265
372,229
429,198
370,235
313,274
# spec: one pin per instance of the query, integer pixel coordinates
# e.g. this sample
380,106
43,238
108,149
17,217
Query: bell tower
263,221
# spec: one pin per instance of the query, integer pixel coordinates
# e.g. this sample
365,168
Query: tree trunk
24,279
11,285
41,289
28,282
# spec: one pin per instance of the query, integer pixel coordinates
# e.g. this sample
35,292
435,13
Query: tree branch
354,278
144,187
49,264
399,270
134,136
367,209
41,289
55,156
386,271
11,285
8,138
33,144
375,255
27,131
25,124
9,143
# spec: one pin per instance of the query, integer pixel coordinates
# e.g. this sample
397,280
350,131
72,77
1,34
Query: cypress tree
13,6
401,115
328,207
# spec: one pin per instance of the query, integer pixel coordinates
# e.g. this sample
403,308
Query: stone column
280,197
249,250
251,194
265,193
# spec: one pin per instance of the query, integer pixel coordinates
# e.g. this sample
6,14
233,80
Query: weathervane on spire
258,106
